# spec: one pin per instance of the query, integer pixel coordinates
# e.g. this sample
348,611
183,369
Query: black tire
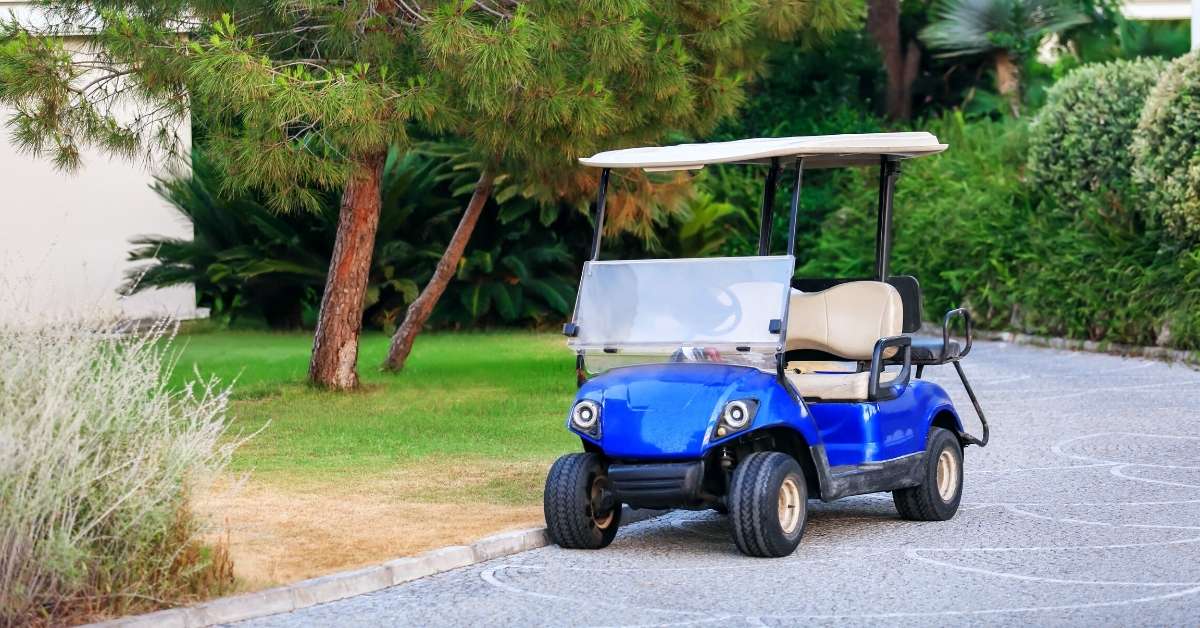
927,502
754,504
576,517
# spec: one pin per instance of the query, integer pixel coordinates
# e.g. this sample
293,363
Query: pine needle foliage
289,94
297,95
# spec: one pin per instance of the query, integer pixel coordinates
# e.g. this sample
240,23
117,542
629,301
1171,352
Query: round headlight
737,414
585,414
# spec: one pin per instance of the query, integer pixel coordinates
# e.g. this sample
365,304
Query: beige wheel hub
947,475
791,506
604,520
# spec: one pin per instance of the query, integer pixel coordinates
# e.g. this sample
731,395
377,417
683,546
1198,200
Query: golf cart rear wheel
580,506
768,504
938,496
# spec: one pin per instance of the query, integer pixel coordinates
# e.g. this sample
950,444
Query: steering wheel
734,312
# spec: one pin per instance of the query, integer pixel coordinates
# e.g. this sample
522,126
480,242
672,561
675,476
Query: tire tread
922,503
747,508
566,523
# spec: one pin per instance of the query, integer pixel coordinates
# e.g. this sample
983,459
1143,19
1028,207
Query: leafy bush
243,258
1167,148
1114,37
975,233
98,460
1108,281
247,260
833,88
1079,143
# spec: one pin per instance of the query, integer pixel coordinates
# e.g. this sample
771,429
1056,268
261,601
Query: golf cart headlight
585,415
738,414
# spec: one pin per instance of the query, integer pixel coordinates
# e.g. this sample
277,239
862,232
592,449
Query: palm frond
970,27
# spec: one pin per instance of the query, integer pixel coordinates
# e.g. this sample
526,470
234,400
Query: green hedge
1079,143
1167,148
976,233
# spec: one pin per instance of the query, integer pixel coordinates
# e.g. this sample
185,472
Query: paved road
1084,511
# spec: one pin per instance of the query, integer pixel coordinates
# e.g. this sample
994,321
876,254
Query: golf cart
727,383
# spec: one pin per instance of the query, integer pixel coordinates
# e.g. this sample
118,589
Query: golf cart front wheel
938,496
768,504
581,509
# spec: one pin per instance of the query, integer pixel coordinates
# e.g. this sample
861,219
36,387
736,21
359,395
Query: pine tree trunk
420,309
1008,81
912,67
335,343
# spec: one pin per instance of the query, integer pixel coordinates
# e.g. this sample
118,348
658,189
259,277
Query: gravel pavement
1083,511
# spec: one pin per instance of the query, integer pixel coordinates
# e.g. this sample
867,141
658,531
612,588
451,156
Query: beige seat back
845,320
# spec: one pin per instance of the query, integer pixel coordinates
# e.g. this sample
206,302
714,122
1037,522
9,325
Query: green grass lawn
497,396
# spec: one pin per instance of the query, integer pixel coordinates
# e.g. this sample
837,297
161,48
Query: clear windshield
662,306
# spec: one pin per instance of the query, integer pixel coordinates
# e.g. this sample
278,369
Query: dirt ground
281,530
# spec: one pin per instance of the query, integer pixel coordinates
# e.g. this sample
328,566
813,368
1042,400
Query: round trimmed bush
1167,149
1079,152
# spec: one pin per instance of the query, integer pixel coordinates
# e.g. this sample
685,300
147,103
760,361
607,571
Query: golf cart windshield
686,308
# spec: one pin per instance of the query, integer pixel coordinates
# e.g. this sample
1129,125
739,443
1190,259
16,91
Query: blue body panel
670,411
857,433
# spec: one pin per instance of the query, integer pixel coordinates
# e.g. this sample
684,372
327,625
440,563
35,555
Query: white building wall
64,237
1158,9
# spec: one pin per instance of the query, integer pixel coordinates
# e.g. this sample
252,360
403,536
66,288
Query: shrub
1079,143
1167,149
98,460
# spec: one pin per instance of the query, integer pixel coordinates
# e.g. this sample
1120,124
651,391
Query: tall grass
98,459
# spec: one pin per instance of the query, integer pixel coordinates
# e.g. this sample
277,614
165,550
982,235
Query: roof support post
889,169
601,197
767,215
792,219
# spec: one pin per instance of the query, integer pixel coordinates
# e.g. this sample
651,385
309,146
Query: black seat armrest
878,362
929,351
968,330
932,351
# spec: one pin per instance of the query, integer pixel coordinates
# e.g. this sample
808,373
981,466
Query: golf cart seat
845,323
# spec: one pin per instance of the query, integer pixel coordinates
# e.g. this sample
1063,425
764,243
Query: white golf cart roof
818,151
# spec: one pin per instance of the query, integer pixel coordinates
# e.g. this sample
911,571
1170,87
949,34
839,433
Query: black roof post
889,169
795,207
766,216
601,196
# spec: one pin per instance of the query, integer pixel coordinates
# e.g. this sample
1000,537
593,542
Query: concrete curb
346,584
1092,346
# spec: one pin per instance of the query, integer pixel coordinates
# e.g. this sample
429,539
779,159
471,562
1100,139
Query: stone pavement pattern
1083,511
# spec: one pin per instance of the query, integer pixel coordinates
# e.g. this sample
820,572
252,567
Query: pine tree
292,94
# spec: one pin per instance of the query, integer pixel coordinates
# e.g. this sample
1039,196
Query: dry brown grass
282,529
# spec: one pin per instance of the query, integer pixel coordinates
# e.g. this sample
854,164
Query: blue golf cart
730,384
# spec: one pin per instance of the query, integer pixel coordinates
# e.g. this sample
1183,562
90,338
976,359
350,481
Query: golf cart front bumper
670,412
659,485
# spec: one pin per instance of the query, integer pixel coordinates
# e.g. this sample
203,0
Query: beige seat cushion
845,320
835,386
